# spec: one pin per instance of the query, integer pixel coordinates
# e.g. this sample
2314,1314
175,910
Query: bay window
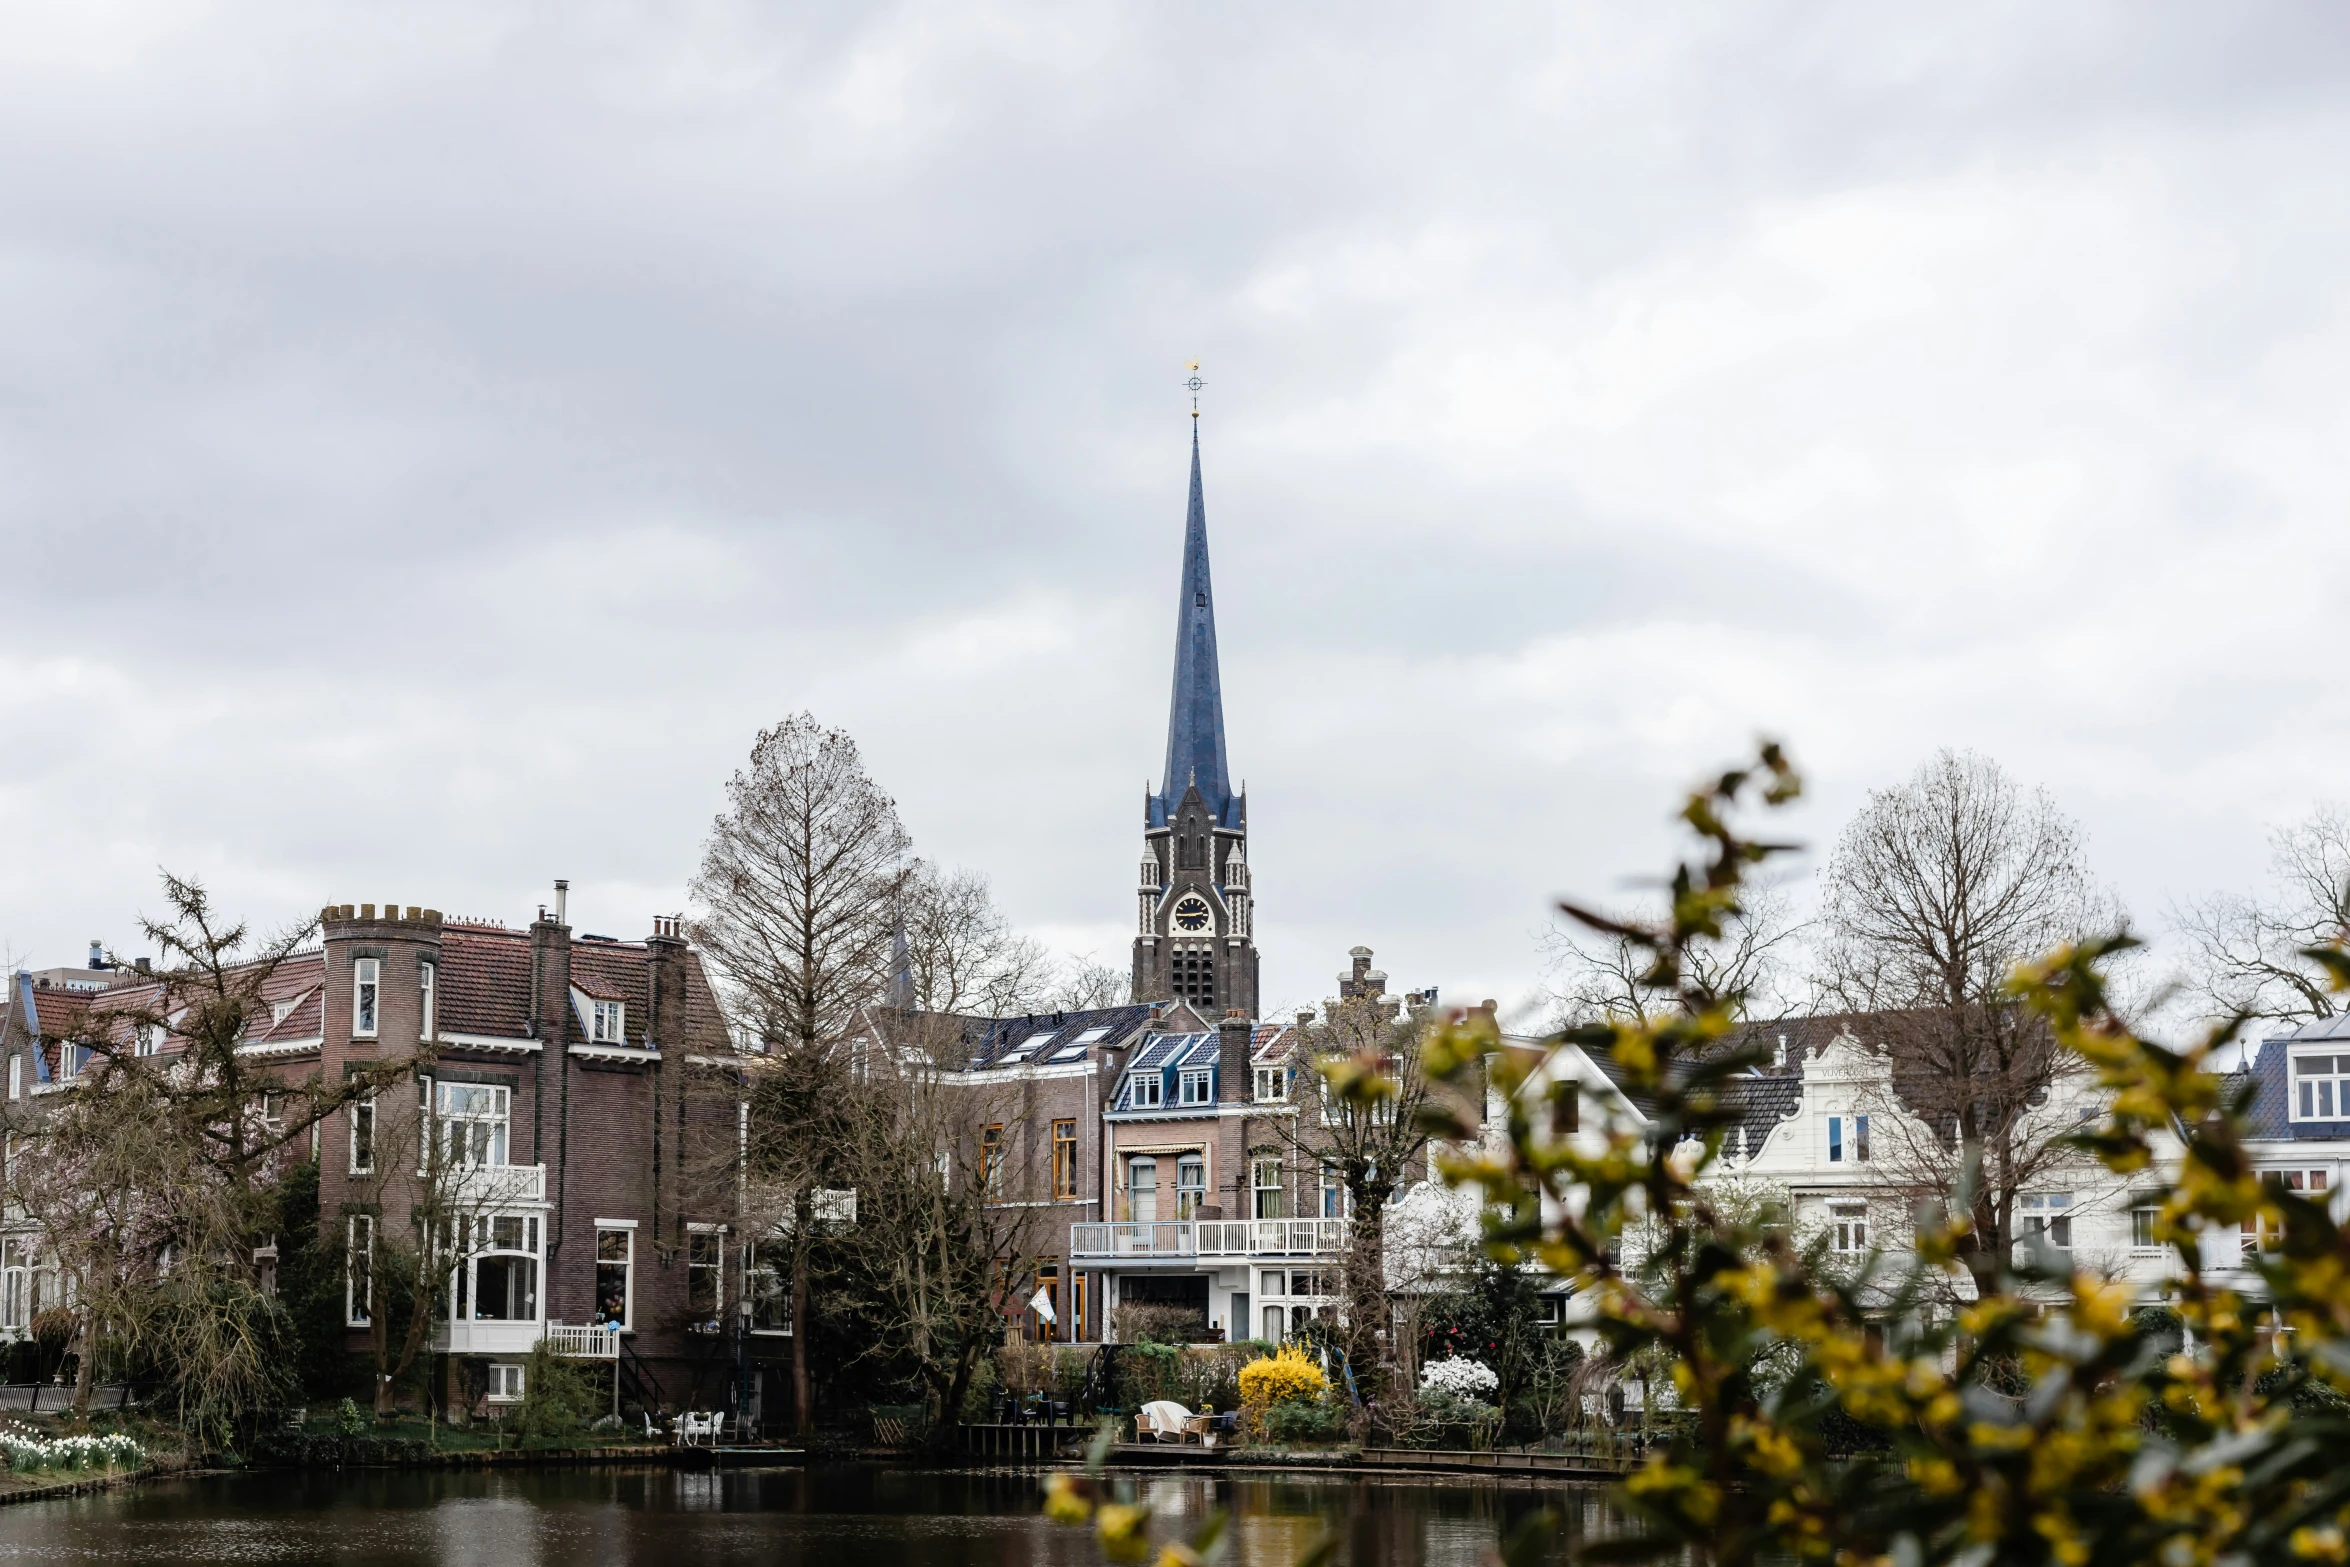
498,1278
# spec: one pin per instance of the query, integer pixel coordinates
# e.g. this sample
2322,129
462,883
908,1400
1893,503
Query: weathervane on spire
1194,384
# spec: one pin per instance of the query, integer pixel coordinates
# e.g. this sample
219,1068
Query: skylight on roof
1092,1034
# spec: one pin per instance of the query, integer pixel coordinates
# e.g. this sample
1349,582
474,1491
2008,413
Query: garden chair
1163,1419
717,1428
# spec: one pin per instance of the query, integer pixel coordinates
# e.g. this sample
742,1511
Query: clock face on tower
1191,914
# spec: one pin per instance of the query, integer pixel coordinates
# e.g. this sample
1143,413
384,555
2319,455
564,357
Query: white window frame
1850,1221
1190,1193
452,1127
478,1239
607,1022
1134,1166
2330,1087
505,1382
2047,1218
16,1075
367,998
362,1131
16,1282
2142,1217
718,1271
1257,1187
358,1241
428,995
626,1229
69,1061
1196,1085
1272,1085
1149,1090
143,1041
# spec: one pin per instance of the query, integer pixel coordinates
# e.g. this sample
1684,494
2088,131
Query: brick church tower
1195,935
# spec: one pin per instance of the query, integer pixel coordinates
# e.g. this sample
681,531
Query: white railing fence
1210,1238
583,1343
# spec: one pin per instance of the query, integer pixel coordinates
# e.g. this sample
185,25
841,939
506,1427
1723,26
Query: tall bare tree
1358,1091
800,884
1937,889
2244,953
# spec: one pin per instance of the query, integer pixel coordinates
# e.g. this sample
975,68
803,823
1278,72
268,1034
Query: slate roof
1047,1038
2269,1077
1195,713
1167,1054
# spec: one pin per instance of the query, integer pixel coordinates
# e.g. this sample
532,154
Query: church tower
1195,935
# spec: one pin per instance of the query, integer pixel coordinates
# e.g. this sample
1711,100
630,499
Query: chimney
1235,1083
98,954
562,899
665,981
550,967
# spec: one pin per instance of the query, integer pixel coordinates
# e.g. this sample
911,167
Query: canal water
833,1517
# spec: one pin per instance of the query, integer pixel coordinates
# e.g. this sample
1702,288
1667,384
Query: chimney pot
562,899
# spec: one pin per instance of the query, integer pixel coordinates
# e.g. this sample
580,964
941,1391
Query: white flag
1042,1305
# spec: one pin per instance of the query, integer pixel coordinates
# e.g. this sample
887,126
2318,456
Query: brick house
575,1085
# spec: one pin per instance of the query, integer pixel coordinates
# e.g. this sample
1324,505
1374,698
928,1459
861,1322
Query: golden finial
1195,383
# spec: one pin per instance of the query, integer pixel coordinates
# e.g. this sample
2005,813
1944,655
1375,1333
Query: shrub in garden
1295,1420
1287,1377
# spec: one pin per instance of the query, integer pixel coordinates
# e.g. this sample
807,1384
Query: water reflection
835,1517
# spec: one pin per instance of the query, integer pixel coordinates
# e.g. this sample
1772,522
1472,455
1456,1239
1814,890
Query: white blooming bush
1461,1379
29,1452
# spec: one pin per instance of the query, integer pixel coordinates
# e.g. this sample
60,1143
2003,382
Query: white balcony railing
487,1186
517,1338
1210,1238
583,1343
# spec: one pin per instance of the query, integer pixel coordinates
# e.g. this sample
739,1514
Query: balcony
1209,1238
488,1187
517,1338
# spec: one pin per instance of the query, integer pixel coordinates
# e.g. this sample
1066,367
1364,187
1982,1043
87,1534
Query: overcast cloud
434,440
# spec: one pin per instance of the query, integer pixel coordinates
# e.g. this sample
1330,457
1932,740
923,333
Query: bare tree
801,881
944,1247
961,954
1937,889
1083,985
2245,952
1602,974
1359,1091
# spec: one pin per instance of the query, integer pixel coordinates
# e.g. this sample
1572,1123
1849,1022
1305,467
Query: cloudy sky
434,440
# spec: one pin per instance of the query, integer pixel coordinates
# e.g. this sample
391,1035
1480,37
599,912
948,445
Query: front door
1142,1190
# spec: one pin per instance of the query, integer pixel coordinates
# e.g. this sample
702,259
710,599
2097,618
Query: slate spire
1195,716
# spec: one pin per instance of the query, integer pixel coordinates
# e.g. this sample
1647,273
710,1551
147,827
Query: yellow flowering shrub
1273,1379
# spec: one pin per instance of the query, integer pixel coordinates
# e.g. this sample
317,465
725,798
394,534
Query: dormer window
608,1023
366,990
2321,1088
1146,1090
1272,1084
1199,1086
279,1011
